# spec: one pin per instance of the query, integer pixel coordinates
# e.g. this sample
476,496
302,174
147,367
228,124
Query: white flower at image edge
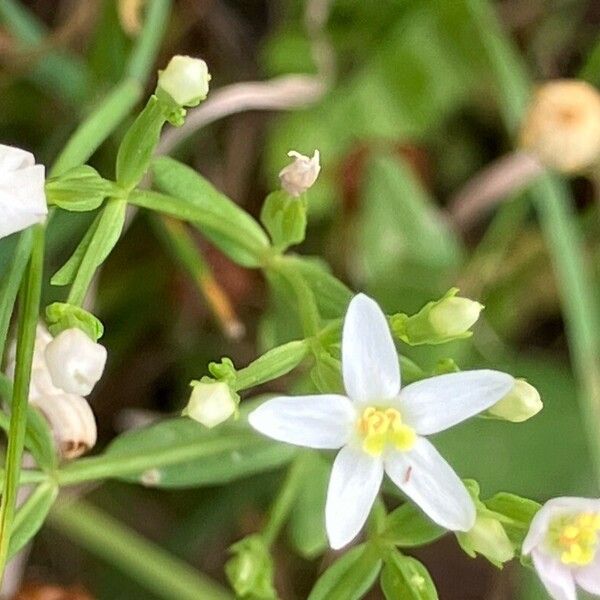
380,428
22,196
75,362
564,544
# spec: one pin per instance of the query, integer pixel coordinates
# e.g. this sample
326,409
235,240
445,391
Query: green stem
285,499
28,317
153,568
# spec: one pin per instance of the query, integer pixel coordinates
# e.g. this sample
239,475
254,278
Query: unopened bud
520,404
211,403
301,174
72,423
454,316
185,79
250,570
488,538
562,126
75,362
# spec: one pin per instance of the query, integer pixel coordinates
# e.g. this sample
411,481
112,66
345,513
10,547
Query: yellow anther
379,427
576,538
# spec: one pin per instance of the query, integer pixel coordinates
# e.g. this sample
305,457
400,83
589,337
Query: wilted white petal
369,359
588,577
300,175
437,403
75,362
323,421
355,480
556,577
425,477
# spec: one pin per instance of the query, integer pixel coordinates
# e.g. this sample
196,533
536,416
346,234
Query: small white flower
210,403
454,316
564,543
75,362
185,79
22,196
380,427
520,404
301,174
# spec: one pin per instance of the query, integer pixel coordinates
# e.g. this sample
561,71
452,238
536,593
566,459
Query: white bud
72,423
301,174
454,316
520,404
488,538
75,362
562,125
22,196
210,403
185,79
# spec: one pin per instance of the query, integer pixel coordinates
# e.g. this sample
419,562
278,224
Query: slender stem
285,499
152,567
28,317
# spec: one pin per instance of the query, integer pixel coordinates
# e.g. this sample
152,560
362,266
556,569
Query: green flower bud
488,538
520,404
185,79
250,570
211,403
454,316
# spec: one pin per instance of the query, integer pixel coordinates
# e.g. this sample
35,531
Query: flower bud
488,538
22,196
562,126
75,362
301,174
72,423
454,316
185,79
211,403
250,570
520,404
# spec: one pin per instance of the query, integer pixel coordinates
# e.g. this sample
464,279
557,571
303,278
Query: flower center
576,538
379,427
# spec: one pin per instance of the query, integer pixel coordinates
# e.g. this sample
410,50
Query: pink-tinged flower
301,174
564,543
22,196
381,428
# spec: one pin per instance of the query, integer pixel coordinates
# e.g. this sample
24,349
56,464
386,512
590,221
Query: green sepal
284,217
61,316
250,570
516,514
80,189
175,113
406,578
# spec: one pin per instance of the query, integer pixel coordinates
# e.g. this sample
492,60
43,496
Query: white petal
589,577
323,421
12,159
425,477
434,404
354,484
556,577
369,359
551,510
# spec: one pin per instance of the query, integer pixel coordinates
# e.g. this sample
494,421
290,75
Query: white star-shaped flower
380,428
22,196
564,543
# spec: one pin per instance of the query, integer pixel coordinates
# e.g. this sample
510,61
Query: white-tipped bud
211,403
454,316
488,538
562,125
72,423
301,174
75,362
520,404
185,79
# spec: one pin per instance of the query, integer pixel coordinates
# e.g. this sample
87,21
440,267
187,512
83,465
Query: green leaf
196,200
39,440
408,526
307,520
350,577
31,516
239,452
80,189
404,577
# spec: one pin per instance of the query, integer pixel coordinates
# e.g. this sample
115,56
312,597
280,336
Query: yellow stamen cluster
576,538
379,427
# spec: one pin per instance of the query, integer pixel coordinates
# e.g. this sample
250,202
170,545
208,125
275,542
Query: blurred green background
420,96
